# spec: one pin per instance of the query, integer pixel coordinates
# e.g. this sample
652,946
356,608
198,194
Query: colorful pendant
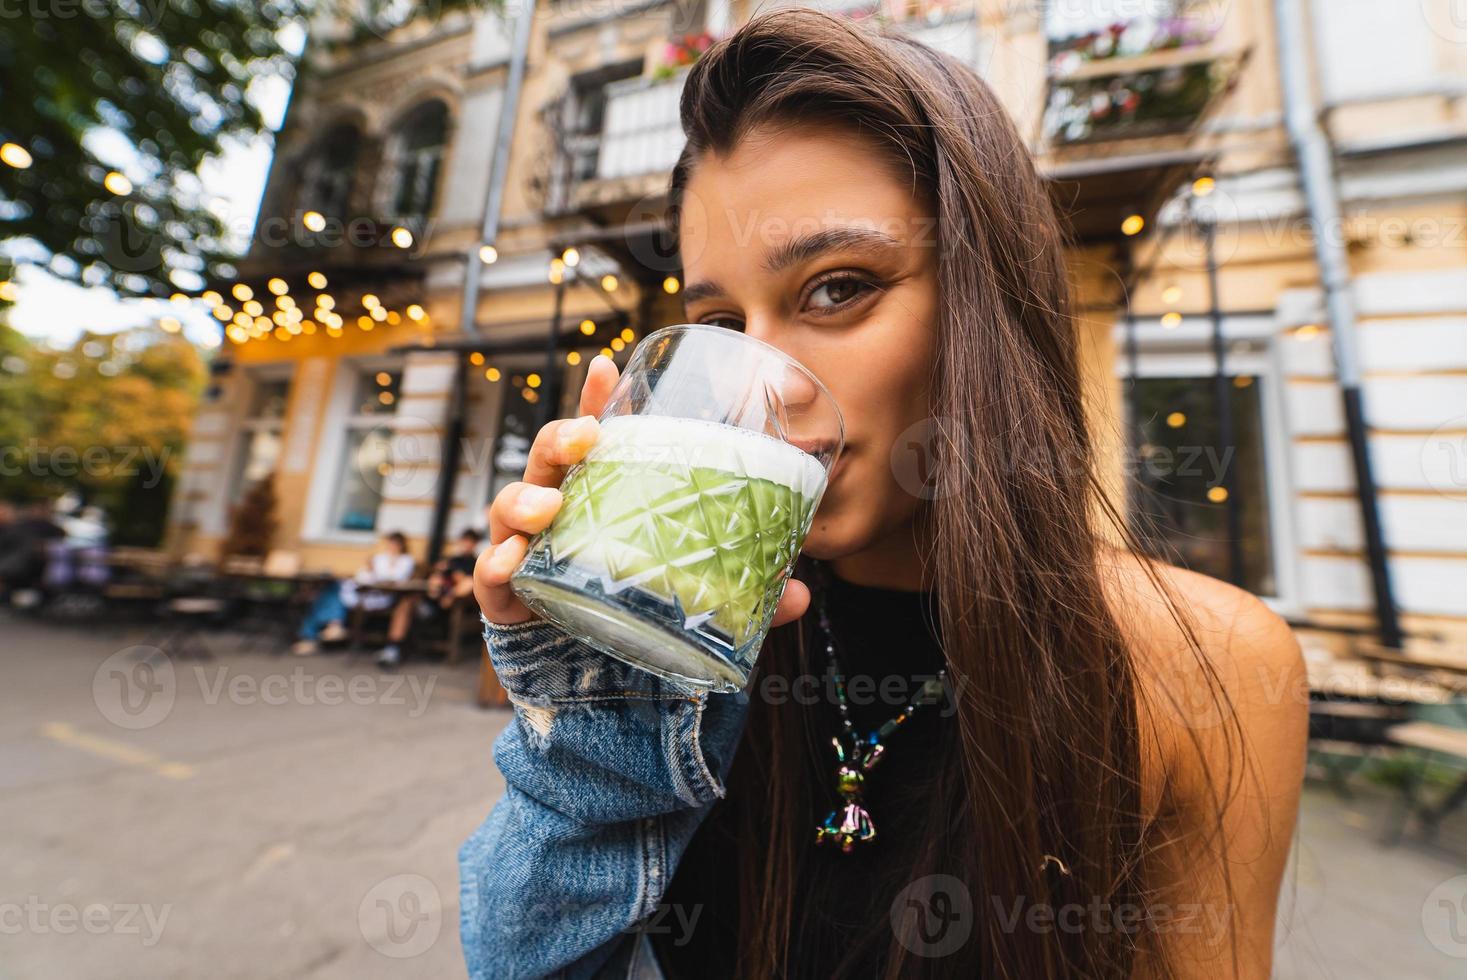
849,823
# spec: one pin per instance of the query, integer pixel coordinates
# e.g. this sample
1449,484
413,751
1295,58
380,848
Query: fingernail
538,498
578,431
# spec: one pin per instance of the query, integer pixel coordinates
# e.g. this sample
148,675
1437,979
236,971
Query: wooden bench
1427,739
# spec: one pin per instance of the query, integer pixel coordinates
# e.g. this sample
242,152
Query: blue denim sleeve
608,770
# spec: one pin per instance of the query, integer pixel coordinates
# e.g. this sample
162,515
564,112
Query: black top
888,636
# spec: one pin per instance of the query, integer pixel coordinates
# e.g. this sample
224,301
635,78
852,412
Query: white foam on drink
652,439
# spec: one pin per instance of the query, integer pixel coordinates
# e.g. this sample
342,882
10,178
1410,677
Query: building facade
463,210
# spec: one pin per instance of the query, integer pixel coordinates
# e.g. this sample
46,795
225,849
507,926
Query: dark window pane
1179,503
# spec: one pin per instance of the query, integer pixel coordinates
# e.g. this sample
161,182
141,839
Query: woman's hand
525,508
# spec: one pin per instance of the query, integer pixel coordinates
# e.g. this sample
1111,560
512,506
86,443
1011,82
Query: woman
325,622
1109,788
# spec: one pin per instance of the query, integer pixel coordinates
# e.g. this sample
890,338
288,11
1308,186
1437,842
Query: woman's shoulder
1218,672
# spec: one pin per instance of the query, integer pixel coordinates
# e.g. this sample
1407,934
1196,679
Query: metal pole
1222,394
1316,173
498,168
448,460
550,396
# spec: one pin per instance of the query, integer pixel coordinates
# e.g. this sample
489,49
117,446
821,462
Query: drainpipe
498,167
1316,171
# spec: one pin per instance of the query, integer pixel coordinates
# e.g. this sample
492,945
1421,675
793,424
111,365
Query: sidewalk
255,815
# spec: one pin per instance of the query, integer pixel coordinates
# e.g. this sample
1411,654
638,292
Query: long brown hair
1040,797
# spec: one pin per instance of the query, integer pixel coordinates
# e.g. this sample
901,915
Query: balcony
1123,106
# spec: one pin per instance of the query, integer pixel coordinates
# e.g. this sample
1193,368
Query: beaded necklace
856,755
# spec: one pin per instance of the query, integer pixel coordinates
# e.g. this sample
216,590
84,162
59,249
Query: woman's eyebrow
802,249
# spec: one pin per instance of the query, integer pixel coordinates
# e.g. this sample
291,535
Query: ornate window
415,161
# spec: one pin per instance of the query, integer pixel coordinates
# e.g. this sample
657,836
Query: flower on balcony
1129,39
680,52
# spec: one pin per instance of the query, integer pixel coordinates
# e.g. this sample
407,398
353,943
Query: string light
15,155
378,313
317,280
415,312
1132,225
1217,494
1171,321
281,333
492,374
627,335
8,292
326,301
277,286
393,318
285,302
169,324
402,238
369,300
314,221
670,285
488,254
476,359
1171,294
1201,187
588,327
178,299
609,283
571,257
1242,381
618,344
573,358
223,313
1307,332
608,352
253,308
242,292
1176,420
211,297
533,380
117,184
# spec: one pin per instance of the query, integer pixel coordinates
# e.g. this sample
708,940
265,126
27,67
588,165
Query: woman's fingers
558,446
601,376
792,604
522,508
491,581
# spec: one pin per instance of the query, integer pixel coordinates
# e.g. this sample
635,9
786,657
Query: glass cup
680,527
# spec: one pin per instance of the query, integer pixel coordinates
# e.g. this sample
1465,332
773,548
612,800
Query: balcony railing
1134,80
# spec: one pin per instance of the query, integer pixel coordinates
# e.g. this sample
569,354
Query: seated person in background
326,620
451,579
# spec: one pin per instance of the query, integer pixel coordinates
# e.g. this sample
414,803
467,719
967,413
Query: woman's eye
838,292
727,322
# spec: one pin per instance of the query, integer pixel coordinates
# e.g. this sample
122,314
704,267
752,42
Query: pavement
255,815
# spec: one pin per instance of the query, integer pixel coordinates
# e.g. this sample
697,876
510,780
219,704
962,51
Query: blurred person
1106,787
326,620
23,545
451,579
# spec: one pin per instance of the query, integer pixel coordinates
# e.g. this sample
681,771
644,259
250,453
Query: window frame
323,505
1186,351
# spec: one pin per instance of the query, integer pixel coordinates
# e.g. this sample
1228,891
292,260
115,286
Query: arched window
327,179
417,157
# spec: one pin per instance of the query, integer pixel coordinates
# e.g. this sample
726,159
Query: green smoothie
691,525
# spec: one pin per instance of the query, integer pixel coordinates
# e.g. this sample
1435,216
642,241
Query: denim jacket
608,770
